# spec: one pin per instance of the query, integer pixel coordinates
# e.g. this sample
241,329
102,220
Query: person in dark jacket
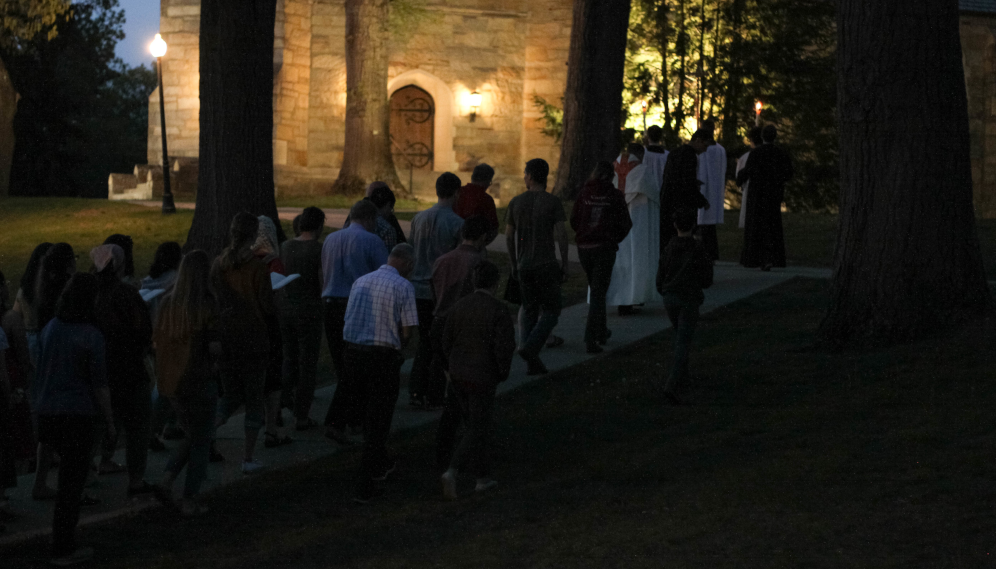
601,221
479,342
767,170
123,318
680,186
685,269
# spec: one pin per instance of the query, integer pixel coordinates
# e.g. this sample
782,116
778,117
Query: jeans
684,315
302,336
541,306
132,406
380,370
71,436
427,381
195,414
243,385
597,264
477,404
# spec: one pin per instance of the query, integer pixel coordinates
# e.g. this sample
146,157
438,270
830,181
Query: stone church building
505,51
461,84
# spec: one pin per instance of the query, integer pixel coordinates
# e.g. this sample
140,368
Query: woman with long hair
19,429
123,319
69,398
57,266
267,250
26,301
187,345
245,298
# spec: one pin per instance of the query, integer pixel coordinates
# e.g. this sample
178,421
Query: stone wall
978,39
179,24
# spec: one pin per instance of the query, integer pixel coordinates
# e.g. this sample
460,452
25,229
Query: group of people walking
86,356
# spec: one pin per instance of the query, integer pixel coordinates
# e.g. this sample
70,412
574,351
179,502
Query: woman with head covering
245,298
127,246
267,250
123,319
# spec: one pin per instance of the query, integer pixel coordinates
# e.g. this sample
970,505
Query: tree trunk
235,171
907,260
367,154
734,77
593,97
681,47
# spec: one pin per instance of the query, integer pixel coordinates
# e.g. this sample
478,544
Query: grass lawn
787,457
346,202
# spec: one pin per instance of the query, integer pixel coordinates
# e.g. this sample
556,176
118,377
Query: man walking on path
712,174
600,221
685,270
453,279
435,232
347,255
479,341
768,168
380,319
533,223
680,187
474,199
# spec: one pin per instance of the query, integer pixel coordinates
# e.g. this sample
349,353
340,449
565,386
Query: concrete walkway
732,283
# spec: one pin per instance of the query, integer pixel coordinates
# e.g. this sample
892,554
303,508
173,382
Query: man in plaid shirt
380,318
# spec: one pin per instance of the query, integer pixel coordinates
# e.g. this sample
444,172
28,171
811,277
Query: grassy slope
788,457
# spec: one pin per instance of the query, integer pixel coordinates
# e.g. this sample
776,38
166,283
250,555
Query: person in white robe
712,174
655,157
635,272
755,140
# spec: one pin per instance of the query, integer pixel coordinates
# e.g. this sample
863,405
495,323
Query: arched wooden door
412,119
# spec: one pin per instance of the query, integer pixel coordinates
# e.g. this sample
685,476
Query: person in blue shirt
347,255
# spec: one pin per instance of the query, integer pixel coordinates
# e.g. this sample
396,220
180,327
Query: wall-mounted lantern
474,101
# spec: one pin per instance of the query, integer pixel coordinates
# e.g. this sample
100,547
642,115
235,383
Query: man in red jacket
601,221
474,200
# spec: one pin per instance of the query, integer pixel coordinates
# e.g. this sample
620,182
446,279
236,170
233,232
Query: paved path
732,283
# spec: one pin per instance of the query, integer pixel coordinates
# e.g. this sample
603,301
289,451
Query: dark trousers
132,406
72,437
346,408
302,339
449,426
684,316
427,381
541,305
710,241
380,370
477,404
597,264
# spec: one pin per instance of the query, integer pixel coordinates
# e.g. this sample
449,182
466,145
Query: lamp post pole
159,50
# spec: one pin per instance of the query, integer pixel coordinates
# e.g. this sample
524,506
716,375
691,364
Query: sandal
272,440
555,342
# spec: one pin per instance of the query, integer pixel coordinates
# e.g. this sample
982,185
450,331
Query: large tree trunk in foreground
367,153
236,118
907,260
593,96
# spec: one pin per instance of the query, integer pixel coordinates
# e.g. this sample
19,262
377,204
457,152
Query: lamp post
757,113
158,49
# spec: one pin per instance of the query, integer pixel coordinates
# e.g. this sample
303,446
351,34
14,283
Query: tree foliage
83,113
23,20
693,60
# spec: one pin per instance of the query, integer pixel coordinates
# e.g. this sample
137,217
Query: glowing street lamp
644,105
757,113
158,49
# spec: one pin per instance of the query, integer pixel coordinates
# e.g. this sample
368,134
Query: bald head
402,258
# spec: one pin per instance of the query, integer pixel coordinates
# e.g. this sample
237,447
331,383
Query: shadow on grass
786,457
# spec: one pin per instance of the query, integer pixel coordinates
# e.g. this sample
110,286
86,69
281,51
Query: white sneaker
449,485
252,467
483,485
81,555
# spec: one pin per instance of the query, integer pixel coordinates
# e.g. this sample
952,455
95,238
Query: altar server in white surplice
635,271
656,157
755,140
712,174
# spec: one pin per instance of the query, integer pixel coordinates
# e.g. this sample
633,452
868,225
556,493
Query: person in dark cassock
680,187
768,169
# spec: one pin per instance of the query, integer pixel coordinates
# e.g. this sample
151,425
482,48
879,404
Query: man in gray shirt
435,232
534,224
